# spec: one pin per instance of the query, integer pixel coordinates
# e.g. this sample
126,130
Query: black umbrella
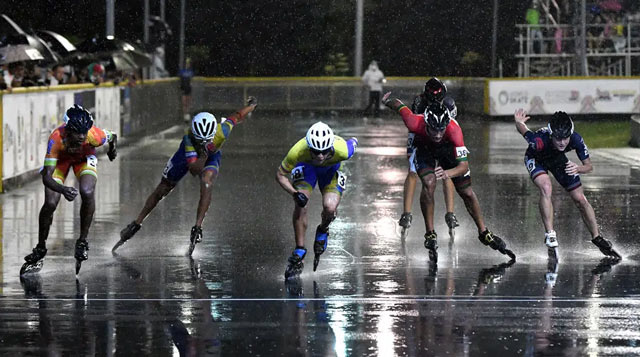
123,62
57,42
19,53
49,56
105,48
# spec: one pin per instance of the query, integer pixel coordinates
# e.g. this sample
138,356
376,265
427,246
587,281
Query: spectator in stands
595,31
3,85
373,78
96,73
32,76
56,76
533,20
14,75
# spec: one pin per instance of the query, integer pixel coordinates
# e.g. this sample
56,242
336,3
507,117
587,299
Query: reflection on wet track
373,294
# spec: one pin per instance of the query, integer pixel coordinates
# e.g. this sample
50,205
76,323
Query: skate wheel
192,247
614,254
316,261
78,266
510,254
433,256
552,253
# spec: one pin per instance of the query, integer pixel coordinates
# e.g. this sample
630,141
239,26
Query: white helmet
320,137
204,126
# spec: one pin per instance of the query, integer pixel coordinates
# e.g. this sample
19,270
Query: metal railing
556,50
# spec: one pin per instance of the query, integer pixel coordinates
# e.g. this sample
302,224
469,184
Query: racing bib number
92,161
531,164
342,180
461,152
410,140
297,174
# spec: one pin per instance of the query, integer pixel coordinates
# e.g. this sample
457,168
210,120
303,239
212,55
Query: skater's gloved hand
252,101
112,153
571,168
201,150
69,193
441,174
386,99
300,198
392,103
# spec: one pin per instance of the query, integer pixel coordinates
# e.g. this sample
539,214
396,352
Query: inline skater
434,91
546,153
441,154
199,153
72,145
316,158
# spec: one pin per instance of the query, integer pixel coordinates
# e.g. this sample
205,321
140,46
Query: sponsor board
574,96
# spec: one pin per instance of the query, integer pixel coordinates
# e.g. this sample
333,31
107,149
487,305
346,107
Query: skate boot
196,237
295,265
552,244
605,247
319,245
34,261
452,223
126,234
82,246
431,243
496,243
405,222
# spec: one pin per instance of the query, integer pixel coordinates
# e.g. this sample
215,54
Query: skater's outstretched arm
241,114
521,118
414,122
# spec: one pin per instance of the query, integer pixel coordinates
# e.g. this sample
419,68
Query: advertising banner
28,119
574,96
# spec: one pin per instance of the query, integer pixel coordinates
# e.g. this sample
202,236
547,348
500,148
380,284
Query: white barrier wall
29,117
574,96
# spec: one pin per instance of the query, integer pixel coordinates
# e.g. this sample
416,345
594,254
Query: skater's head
437,117
561,127
435,90
320,141
204,127
451,105
77,121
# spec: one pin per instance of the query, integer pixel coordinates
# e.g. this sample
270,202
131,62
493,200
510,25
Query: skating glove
300,198
113,152
252,100
392,103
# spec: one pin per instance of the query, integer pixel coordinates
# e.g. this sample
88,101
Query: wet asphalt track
373,293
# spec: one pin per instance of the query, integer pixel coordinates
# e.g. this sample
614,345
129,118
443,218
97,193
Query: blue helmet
78,119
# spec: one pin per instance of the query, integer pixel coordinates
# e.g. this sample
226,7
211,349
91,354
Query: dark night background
297,37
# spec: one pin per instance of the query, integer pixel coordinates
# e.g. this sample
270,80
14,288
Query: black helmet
451,105
435,90
78,119
560,126
437,116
